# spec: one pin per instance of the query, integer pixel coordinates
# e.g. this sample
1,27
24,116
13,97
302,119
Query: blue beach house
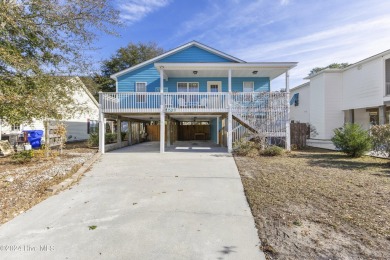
195,84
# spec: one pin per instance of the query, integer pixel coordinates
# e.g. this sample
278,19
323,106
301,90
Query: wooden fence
194,132
153,132
299,134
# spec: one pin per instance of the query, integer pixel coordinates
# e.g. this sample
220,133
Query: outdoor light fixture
254,72
195,72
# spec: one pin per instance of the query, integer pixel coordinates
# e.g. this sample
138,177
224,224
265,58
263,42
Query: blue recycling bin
34,137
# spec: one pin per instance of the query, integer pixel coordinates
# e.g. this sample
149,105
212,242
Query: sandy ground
23,185
317,204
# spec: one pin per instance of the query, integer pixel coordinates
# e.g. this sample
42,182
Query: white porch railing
196,102
138,102
125,102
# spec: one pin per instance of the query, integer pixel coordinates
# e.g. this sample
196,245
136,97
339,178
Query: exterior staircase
263,113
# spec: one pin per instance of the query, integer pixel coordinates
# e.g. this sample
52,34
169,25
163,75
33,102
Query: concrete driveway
144,206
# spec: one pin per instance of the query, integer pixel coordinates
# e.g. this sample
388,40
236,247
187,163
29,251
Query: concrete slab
144,206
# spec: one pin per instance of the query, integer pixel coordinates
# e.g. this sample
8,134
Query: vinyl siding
363,86
194,54
260,84
301,112
362,117
334,116
150,75
317,105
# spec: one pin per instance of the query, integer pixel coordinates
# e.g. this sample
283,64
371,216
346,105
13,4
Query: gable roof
381,54
300,86
178,49
85,89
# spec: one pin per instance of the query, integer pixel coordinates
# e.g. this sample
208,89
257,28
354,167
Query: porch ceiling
193,117
178,70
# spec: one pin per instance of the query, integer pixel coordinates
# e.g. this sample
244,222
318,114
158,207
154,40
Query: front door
214,86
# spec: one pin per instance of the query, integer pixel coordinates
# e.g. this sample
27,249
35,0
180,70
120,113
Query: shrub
23,156
245,148
272,151
93,140
123,136
110,138
352,140
380,135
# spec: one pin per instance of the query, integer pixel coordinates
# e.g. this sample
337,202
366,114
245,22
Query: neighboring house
78,127
358,94
300,110
197,85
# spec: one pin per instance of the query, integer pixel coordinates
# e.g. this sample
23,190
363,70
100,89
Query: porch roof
220,69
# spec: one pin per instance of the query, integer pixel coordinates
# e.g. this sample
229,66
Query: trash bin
34,137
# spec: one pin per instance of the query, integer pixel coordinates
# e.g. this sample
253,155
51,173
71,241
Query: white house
78,127
359,93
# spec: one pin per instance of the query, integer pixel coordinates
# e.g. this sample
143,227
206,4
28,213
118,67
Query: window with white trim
248,86
141,88
188,87
15,127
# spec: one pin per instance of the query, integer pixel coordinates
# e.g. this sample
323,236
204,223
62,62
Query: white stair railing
265,112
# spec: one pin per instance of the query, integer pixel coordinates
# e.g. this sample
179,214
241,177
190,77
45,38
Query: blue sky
311,32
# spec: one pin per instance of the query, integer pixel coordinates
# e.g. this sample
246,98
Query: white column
230,80
288,138
162,132
161,79
102,130
230,115
162,113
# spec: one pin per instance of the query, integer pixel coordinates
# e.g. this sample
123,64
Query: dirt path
317,204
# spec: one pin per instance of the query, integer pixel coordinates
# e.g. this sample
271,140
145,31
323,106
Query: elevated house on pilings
195,84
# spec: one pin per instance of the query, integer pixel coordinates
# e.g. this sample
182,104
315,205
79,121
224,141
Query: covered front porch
366,117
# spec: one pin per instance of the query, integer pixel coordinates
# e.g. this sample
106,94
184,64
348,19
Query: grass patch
317,204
